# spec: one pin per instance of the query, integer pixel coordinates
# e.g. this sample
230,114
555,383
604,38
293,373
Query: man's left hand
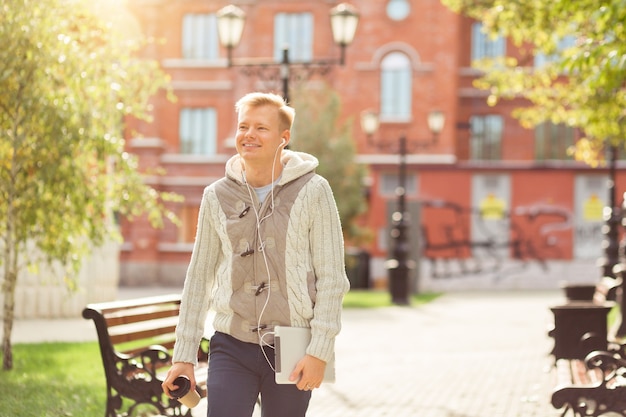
310,370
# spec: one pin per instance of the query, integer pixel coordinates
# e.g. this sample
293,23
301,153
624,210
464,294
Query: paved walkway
466,354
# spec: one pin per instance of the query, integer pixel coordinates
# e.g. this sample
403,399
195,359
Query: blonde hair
286,114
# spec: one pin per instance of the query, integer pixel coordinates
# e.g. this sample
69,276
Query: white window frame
542,59
483,46
486,137
198,131
390,181
294,31
553,140
199,40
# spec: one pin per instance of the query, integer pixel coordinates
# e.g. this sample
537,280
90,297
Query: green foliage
584,86
317,131
68,82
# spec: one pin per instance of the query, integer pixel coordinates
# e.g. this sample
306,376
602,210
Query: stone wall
45,295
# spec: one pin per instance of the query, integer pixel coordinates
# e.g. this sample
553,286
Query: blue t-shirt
262,192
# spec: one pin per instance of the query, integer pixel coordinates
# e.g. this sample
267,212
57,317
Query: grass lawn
67,379
373,299
54,380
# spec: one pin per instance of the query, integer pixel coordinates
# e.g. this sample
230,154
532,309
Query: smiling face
259,135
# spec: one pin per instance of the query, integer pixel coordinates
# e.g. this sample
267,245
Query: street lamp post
399,264
344,19
612,218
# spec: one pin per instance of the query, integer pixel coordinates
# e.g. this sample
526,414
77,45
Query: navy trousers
238,373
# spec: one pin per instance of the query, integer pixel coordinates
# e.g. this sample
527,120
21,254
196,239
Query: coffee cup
184,394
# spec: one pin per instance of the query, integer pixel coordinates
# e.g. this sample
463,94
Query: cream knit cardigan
297,237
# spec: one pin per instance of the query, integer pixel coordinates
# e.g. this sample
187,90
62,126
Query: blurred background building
483,193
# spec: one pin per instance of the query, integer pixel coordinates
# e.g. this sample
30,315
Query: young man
268,251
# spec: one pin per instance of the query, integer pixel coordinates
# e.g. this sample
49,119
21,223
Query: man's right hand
178,369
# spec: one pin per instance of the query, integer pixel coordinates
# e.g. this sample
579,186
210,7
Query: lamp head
230,23
369,122
436,121
344,19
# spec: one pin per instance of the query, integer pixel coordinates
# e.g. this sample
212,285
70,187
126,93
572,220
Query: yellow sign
492,208
592,209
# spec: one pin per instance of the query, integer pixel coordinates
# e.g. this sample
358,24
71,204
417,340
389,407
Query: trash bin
358,268
579,328
578,292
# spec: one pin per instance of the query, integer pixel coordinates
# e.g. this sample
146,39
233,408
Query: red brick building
486,191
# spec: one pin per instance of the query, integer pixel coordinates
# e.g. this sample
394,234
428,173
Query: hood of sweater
295,165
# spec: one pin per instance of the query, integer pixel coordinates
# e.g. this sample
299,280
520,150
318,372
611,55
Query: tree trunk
8,288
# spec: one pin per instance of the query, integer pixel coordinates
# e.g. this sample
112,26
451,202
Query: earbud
284,142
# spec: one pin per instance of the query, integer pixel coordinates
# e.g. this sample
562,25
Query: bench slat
112,306
142,334
139,316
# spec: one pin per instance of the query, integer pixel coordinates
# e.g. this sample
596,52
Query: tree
68,82
583,85
317,131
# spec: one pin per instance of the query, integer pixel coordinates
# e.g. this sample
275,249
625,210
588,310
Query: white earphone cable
261,248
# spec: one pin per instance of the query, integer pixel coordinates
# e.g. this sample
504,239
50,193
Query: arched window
395,86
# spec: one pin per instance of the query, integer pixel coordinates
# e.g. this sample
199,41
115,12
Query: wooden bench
136,339
593,387
588,361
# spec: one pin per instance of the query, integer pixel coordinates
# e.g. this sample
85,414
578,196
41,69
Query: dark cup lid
183,385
